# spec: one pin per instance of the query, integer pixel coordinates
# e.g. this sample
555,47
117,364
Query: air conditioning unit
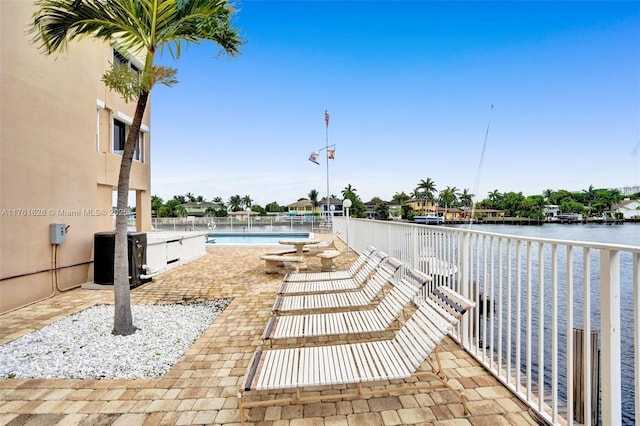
103,248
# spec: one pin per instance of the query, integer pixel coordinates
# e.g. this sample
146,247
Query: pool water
257,238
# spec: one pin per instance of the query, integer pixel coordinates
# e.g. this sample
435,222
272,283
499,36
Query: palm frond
137,24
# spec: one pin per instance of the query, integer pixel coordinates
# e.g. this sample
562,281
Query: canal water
627,234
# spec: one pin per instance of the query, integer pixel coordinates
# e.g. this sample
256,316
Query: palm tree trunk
123,320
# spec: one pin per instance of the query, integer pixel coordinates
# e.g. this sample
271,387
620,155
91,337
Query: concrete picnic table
299,245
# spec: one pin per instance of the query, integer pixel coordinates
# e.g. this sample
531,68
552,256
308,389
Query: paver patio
202,387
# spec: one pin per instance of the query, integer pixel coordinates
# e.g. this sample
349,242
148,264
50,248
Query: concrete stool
327,258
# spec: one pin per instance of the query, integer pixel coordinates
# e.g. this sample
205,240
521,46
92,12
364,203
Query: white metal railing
280,223
532,295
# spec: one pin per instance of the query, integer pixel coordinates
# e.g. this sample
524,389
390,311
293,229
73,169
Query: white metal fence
533,297
241,223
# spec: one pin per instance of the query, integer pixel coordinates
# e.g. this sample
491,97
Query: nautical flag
326,117
331,153
314,157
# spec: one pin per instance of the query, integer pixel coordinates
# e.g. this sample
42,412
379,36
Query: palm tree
609,198
181,199
247,201
219,201
426,189
142,27
164,211
466,198
400,197
235,203
181,211
313,197
349,192
495,197
590,195
448,198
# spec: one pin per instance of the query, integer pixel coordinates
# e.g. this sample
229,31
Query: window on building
121,60
137,152
119,136
120,131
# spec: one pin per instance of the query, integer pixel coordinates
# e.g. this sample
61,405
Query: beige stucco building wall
56,160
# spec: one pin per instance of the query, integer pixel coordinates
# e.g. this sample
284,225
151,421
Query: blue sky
409,87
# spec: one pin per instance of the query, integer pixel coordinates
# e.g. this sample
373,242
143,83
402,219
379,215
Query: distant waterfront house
242,214
302,208
630,209
326,208
198,208
395,209
451,213
490,213
418,205
551,212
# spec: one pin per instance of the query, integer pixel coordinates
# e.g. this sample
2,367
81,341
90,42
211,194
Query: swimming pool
257,238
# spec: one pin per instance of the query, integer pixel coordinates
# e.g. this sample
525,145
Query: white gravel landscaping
81,346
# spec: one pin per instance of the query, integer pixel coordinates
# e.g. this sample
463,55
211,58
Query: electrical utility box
58,232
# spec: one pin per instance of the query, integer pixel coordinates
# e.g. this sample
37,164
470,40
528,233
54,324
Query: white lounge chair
340,299
360,363
361,276
376,319
324,245
335,275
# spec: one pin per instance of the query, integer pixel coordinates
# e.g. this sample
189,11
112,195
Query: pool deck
202,387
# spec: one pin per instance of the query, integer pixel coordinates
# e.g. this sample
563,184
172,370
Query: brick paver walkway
202,387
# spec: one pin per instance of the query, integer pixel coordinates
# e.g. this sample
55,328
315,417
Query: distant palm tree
609,198
448,197
425,190
349,192
400,197
247,201
313,197
466,198
142,27
189,196
180,211
495,197
219,202
164,211
235,203
590,197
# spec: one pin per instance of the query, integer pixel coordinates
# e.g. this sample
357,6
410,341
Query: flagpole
329,156
326,120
